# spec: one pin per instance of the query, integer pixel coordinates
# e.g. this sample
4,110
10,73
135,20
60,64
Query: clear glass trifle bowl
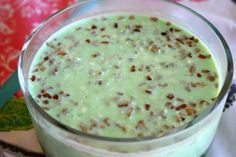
193,140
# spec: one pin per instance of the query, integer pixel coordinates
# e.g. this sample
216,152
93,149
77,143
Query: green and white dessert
124,75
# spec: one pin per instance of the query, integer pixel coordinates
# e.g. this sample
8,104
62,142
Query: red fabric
17,19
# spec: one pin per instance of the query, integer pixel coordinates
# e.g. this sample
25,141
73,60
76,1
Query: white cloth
222,13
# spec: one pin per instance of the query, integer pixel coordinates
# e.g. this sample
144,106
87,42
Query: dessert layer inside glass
124,75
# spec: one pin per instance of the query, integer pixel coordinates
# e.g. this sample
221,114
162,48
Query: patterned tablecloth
19,17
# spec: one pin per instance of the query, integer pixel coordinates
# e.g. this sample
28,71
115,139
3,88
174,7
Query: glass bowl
59,140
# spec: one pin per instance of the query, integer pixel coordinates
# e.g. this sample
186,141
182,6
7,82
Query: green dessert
124,75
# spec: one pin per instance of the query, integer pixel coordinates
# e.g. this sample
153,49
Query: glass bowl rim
225,88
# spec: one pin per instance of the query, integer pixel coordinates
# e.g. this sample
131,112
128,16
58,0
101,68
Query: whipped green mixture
124,75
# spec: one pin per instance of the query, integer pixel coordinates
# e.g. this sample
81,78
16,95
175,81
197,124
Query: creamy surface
124,75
